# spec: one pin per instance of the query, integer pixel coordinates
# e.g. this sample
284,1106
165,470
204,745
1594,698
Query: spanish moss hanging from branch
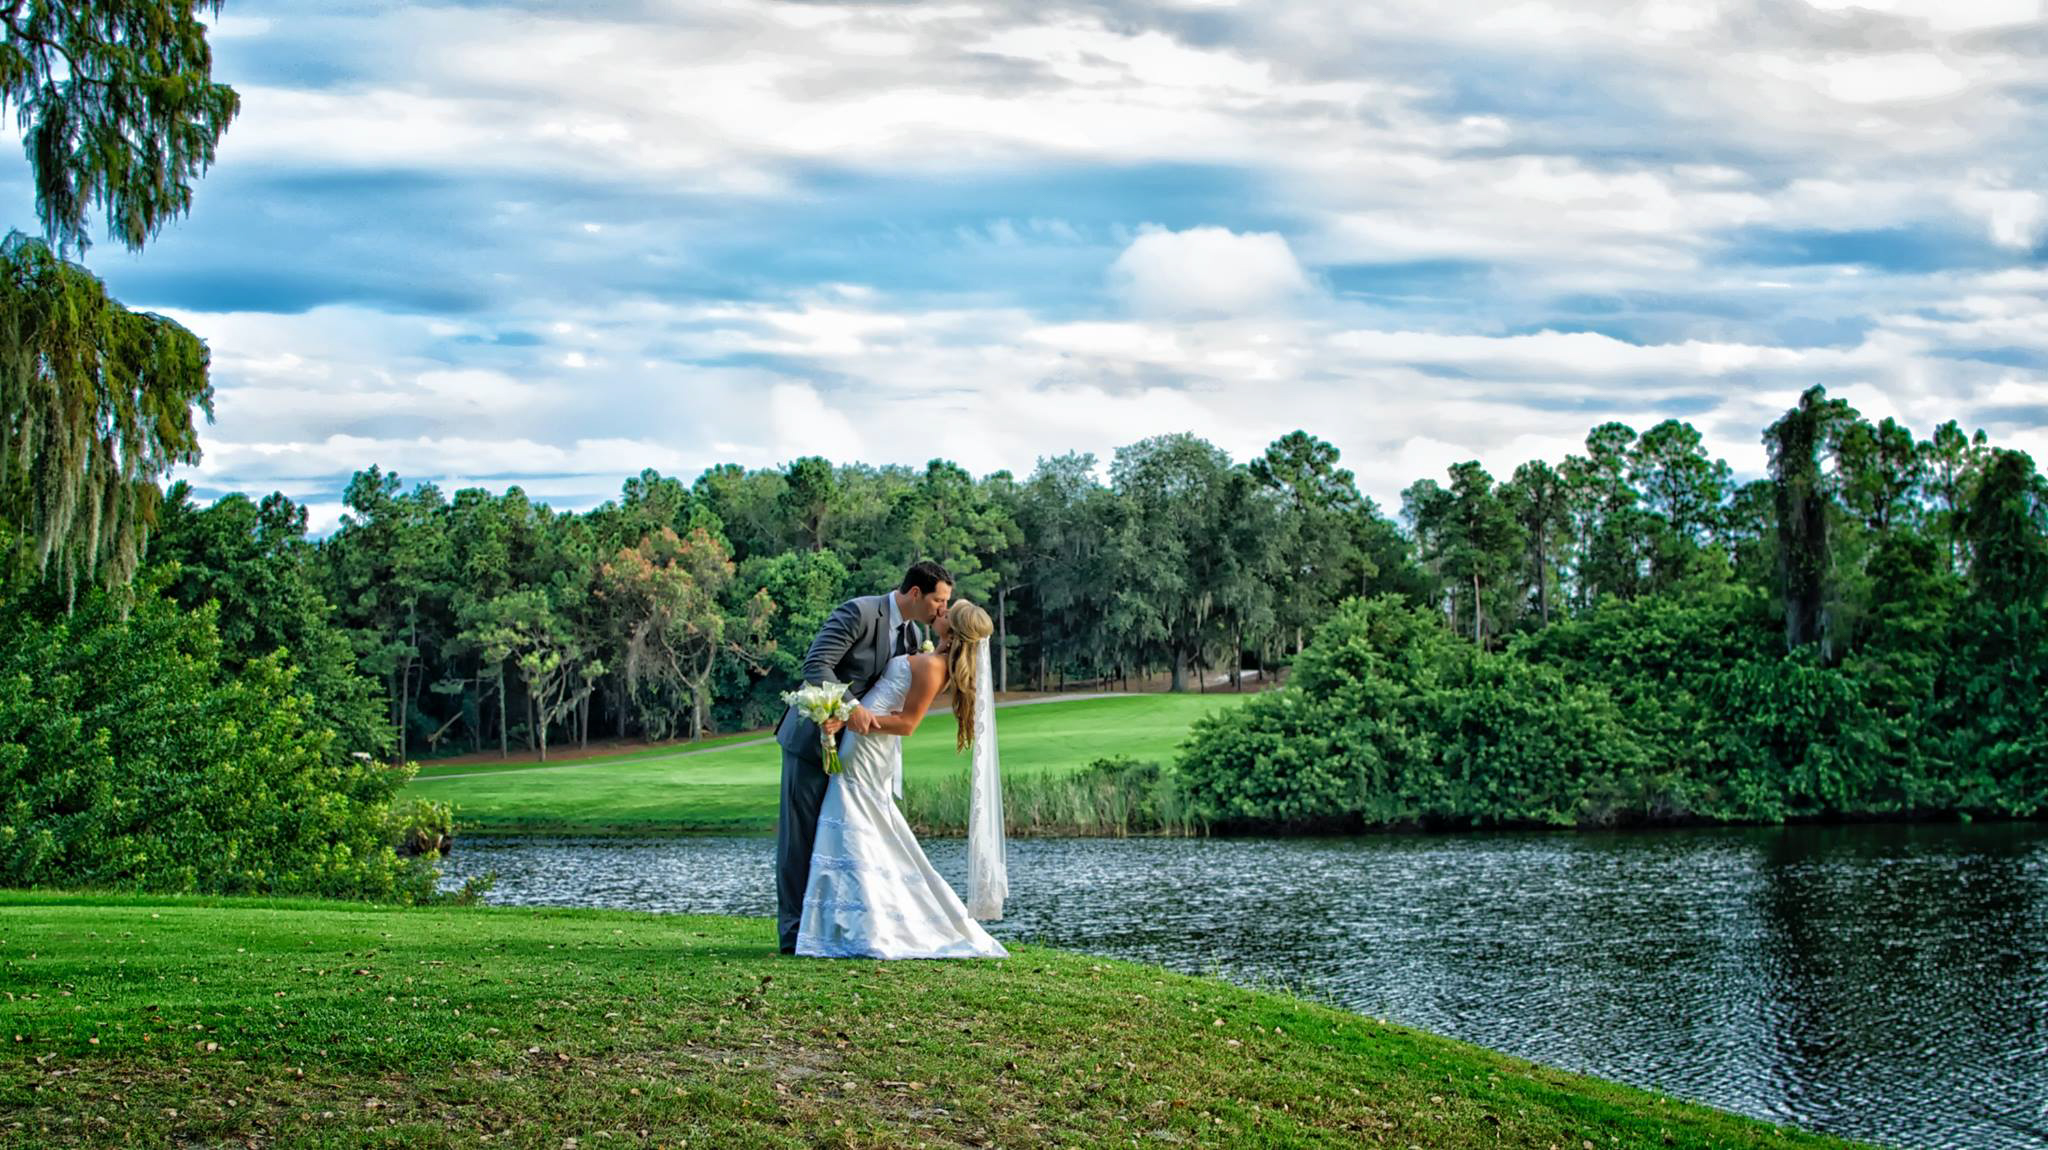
95,406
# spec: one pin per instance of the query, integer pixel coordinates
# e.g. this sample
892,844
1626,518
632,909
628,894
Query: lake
1887,983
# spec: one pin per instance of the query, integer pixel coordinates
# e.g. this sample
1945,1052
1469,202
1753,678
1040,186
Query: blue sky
552,244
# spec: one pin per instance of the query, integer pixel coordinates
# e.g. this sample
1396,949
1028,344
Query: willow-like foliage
2006,524
1794,443
95,405
117,108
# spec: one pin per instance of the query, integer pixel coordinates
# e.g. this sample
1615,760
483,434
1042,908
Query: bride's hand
863,721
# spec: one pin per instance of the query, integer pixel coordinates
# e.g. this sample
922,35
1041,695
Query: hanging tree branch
95,406
118,110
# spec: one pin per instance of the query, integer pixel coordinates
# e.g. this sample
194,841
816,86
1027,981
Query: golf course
732,784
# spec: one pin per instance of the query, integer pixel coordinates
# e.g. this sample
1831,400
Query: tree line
478,620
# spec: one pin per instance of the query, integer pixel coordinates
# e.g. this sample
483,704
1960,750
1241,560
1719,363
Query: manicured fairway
141,1022
737,788
486,765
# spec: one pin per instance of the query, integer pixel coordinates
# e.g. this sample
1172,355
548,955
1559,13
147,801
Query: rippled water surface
1888,983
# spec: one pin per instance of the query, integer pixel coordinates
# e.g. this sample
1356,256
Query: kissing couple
850,879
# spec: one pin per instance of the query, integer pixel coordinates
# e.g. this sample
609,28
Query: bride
872,893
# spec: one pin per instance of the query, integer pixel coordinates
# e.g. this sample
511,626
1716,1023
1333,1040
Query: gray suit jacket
853,647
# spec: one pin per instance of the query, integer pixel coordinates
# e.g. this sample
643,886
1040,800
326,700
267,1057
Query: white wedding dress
872,893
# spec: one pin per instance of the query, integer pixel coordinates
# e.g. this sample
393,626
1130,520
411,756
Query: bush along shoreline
134,756
1661,711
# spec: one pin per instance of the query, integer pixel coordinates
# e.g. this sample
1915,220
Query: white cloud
2013,216
1909,76
805,423
998,388
1947,15
1208,271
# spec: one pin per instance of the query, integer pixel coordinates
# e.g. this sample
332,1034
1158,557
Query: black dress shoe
789,950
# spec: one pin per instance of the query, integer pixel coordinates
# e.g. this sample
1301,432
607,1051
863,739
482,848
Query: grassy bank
738,788
174,1022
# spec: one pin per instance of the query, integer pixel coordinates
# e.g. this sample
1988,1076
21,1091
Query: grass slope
169,1022
738,789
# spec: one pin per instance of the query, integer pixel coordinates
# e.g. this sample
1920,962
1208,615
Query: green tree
747,505
1950,465
804,587
118,110
946,516
1482,543
665,595
1074,527
1683,490
1540,503
1394,720
1750,528
1426,506
1251,568
252,561
95,406
522,628
1169,581
1316,542
494,541
2006,526
1997,701
810,499
1882,473
1795,442
389,576
1006,557
1901,672
131,758
1608,524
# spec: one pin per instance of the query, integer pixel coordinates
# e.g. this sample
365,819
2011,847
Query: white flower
927,648
820,702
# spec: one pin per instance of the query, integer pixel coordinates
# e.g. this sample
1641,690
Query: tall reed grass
1109,798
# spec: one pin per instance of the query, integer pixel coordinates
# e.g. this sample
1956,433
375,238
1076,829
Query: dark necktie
906,638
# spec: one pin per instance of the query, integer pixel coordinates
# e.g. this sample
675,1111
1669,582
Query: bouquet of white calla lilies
821,702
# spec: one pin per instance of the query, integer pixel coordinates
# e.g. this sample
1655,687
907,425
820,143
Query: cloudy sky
554,243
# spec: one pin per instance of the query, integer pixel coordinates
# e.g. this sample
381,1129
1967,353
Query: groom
855,644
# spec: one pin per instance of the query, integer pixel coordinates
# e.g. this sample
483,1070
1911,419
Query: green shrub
1674,707
1392,720
130,759
422,827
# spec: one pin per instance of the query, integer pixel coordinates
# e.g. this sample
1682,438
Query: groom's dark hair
924,576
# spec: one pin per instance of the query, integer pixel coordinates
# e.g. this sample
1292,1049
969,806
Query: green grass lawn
739,788
436,769
147,1022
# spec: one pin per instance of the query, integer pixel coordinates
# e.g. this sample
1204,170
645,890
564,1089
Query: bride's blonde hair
969,625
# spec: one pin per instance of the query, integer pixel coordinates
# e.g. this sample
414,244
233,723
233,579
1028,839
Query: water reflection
1888,983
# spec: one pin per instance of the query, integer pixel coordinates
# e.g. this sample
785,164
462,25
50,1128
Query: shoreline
754,830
